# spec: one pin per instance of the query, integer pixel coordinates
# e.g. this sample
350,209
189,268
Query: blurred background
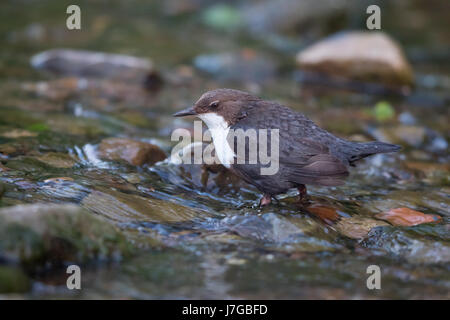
86,177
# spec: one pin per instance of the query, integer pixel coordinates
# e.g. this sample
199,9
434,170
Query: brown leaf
327,214
407,217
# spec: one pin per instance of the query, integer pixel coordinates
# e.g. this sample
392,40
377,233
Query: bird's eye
214,104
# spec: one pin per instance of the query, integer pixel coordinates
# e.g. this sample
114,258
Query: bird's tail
358,151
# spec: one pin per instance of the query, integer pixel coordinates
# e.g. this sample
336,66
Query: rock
92,64
100,94
363,56
289,233
434,202
244,66
45,234
18,133
405,243
402,134
63,189
429,168
2,189
357,227
122,207
13,280
56,89
8,149
57,160
407,118
17,147
134,152
439,144
407,217
271,16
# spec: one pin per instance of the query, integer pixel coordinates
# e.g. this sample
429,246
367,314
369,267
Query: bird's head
222,107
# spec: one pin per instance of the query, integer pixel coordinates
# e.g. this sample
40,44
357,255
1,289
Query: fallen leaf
407,217
327,214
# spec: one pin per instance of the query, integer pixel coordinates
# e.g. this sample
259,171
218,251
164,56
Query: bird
307,154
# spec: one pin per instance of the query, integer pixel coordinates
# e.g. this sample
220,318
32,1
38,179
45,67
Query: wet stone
409,245
134,152
63,188
16,148
45,234
122,207
357,227
57,160
286,233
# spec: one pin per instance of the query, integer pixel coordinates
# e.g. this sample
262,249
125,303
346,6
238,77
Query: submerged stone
409,245
287,233
122,207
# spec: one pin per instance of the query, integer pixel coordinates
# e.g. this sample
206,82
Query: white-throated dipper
306,153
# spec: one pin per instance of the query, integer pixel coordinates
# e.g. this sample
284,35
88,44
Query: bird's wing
303,158
311,163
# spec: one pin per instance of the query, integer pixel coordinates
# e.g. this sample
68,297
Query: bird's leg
302,192
265,200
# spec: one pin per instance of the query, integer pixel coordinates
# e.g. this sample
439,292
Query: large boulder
358,55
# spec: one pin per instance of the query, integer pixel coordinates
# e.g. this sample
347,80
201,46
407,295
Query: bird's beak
186,112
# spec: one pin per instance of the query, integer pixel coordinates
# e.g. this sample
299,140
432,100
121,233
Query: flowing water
197,232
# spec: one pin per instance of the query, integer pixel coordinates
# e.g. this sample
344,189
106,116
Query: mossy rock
50,234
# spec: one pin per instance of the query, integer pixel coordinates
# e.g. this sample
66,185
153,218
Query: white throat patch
219,131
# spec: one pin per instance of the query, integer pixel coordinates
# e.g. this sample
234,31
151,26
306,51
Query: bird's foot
303,194
265,200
